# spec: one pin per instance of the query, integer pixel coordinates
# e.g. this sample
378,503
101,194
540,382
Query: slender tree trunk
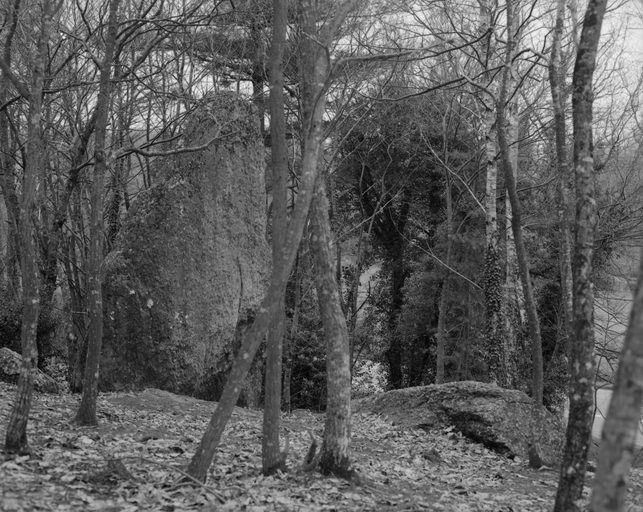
444,295
352,303
16,438
388,224
334,457
272,458
514,209
77,338
623,416
12,203
581,392
256,10
292,338
492,282
87,412
332,212
573,14
315,71
442,315
465,348
394,352
516,221
513,304
335,447
563,193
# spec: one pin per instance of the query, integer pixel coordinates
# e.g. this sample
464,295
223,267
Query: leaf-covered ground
134,461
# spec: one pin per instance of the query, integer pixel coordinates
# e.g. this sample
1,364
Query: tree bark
16,438
291,339
77,338
12,261
444,295
272,459
581,392
87,412
315,71
513,307
334,457
516,213
623,416
394,353
563,192
508,79
492,282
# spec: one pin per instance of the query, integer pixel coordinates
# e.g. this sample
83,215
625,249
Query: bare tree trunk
16,438
581,392
444,295
334,457
291,339
465,347
513,303
77,338
352,303
563,195
315,71
492,282
12,261
516,221
623,416
272,459
87,412
442,316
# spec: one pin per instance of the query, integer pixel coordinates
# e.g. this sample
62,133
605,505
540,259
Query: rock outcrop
501,419
190,264
10,363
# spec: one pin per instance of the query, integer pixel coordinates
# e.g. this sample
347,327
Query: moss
192,261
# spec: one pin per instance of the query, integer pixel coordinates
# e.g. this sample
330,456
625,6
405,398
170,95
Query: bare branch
22,88
192,149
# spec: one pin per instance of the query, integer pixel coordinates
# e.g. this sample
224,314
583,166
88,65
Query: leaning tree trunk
16,438
87,412
623,416
272,459
581,391
315,71
334,458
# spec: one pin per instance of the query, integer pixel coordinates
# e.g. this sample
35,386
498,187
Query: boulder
10,364
191,263
498,418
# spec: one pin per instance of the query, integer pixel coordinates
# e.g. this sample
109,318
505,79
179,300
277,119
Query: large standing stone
191,262
501,419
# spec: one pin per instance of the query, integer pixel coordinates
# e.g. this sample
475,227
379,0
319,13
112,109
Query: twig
209,489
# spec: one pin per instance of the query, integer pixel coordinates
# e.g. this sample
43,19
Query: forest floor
134,461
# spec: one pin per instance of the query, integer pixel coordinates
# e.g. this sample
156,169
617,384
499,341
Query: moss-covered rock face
191,262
